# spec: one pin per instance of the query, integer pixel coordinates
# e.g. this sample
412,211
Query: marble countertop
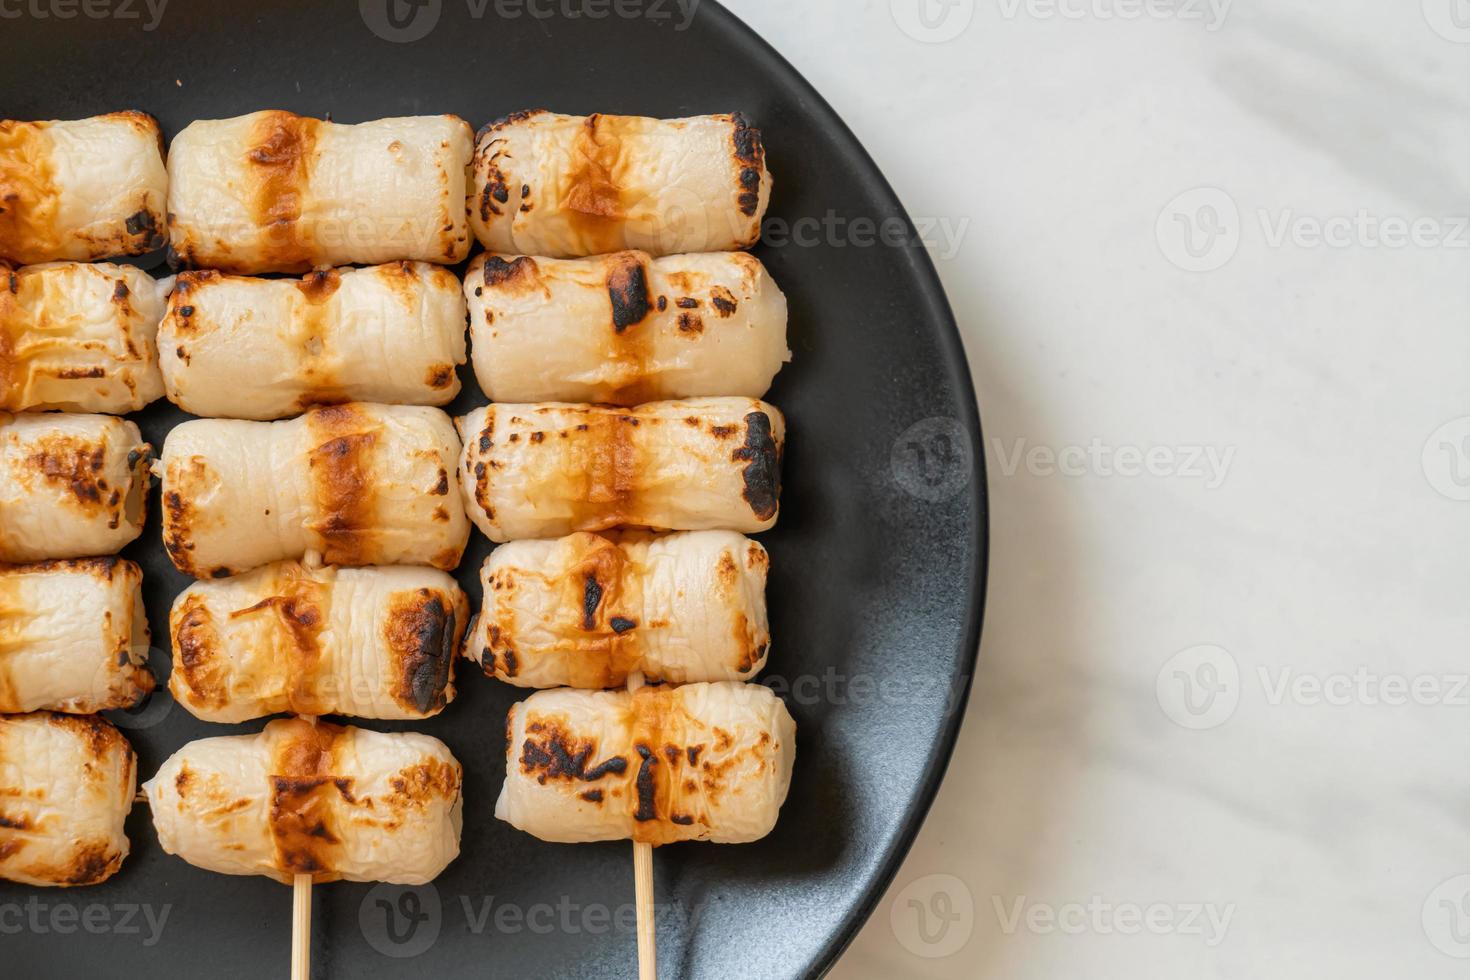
1211,260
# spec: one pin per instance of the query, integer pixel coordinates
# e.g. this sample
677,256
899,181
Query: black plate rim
941,314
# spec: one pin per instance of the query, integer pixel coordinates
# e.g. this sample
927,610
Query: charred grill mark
516,275
278,165
90,864
645,786
591,599
509,119
178,517
304,621
98,736
138,460
727,572
302,784
627,288
593,199
549,753
186,282
299,815
9,364
440,376
750,649
747,139
621,625
421,631
486,163
298,610
418,785
343,485
102,568
723,301
448,559
197,649
493,179
319,285
750,153
183,780
29,196
690,323
762,471
617,765
554,758
143,225
75,466
480,472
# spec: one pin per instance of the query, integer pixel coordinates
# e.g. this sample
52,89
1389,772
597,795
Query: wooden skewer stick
643,889
301,928
301,921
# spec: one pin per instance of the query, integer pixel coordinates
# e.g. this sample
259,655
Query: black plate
878,562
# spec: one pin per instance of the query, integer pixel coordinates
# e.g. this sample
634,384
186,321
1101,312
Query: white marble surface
1311,820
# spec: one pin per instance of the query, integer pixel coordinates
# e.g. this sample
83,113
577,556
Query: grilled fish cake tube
80,337
546,470
81,189
587,610
354,484
563,186
73,636
235,347
66,786
708,762
275,192
71,486
625,328
366,642
337,803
